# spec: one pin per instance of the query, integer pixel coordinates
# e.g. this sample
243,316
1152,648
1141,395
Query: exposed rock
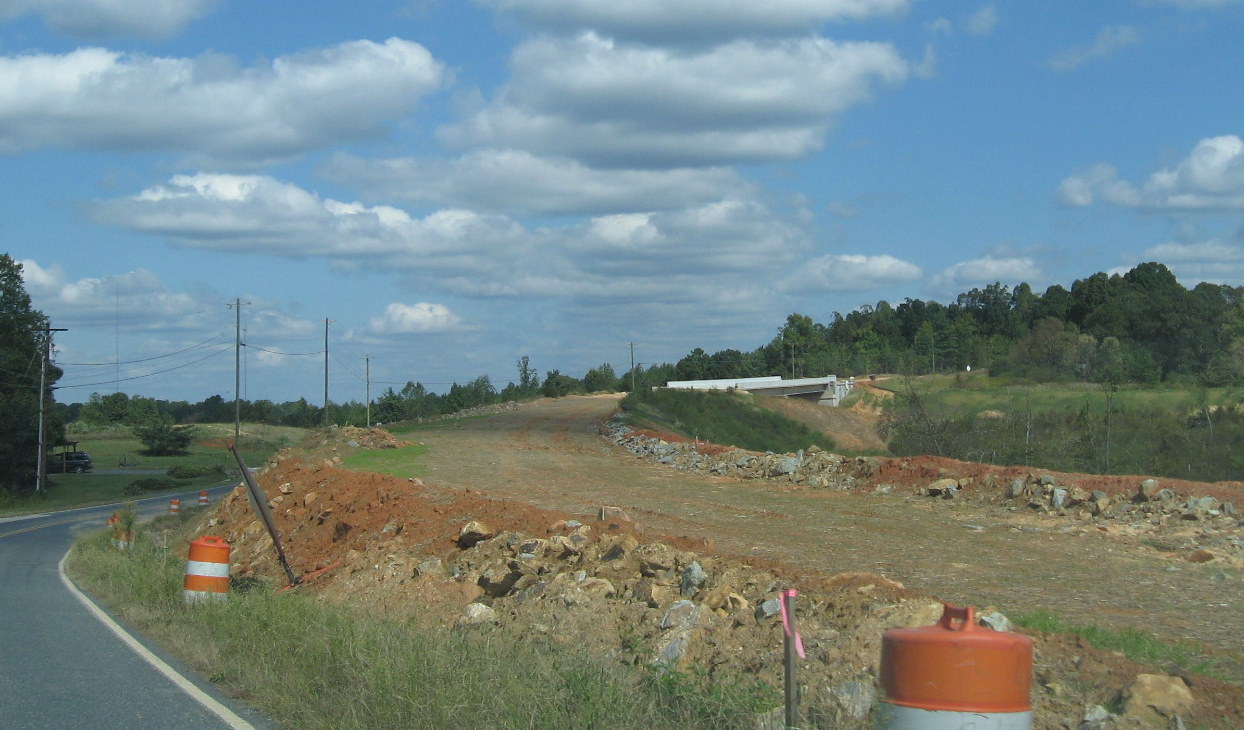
474,532
692,578
477,614
1154,694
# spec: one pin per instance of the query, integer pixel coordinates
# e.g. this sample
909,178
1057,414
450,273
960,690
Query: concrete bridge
828,390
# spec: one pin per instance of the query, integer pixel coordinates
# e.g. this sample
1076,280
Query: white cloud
515,181
469,253
1108,42
983,21
853,272
137,297
610,104
1211,177
421,318
692,20
112,18
101,99
984,271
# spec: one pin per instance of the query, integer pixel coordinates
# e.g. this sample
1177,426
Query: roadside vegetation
125,468
1194,433
722,418
309,663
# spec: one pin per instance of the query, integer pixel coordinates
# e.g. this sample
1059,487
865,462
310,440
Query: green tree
600,379
24,339
162,437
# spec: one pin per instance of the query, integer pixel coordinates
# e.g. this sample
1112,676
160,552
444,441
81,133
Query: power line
148,375
216,336
278,352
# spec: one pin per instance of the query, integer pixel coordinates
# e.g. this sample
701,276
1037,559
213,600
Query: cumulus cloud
986,270
983,21
853,272
101,99
421,318
694,20
675,254
94,19
259,214
1210,178
136,297
1109,41
611,104
516,181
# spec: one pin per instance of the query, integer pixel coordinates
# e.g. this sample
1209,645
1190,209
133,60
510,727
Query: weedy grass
402,461
1137,645
722,418
311,663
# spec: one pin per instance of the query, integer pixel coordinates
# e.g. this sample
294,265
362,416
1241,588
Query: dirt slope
525,469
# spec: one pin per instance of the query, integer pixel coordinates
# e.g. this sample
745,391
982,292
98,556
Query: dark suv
70,461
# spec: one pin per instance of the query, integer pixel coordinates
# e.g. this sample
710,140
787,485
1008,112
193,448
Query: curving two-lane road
62,667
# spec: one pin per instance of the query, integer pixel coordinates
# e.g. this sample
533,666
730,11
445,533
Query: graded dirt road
551,454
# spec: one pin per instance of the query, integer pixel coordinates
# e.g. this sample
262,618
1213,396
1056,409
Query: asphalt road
61,667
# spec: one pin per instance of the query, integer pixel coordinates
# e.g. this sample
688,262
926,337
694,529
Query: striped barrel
174,506
203,498
207,570
956,674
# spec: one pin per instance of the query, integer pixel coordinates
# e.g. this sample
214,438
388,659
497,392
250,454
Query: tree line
1142,326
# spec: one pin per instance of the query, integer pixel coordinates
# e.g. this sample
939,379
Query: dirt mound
464,558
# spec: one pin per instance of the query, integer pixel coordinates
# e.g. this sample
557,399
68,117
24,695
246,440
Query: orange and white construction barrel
207,570
956,674
174,506
203,498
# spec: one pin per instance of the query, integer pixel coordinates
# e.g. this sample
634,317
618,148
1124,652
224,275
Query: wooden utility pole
326,321
632,344
40,472
237,367
367,389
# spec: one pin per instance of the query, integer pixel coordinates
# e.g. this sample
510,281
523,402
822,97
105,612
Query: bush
150,484
194,471
162,437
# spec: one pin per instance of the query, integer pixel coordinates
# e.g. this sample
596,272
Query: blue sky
454,184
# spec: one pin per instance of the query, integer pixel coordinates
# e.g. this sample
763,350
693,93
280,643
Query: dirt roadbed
551,455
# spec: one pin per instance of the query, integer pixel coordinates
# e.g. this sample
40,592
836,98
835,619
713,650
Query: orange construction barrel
174,506
207,570
203,498
956,674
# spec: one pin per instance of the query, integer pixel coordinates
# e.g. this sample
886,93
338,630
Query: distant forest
1139,327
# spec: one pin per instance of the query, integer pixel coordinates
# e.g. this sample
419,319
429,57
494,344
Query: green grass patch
310,663
1137,645
208,463
402,461
722,418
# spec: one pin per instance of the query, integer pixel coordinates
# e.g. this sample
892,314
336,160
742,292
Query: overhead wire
146,375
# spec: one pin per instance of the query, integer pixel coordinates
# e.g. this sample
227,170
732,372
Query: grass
722,418
1135,644
118,449
402,461
310,663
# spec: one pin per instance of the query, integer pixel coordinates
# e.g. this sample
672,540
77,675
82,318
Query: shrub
151,484
162,437
194,471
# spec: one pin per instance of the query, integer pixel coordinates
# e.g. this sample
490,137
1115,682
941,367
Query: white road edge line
229,717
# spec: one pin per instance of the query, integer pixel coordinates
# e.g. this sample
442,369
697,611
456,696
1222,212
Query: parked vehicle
70,461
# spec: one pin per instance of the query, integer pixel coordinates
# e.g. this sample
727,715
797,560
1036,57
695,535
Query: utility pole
326,321
43,369
237,367
367,391
632,344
